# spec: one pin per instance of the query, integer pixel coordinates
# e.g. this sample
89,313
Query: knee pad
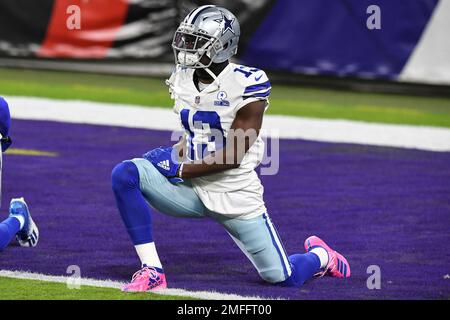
125,175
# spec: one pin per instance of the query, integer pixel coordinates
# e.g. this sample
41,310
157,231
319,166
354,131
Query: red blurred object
100,20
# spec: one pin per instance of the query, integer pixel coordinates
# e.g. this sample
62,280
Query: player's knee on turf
273,276
266,259
125,175
255,240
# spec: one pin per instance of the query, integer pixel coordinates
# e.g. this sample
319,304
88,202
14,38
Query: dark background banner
109,29
23,26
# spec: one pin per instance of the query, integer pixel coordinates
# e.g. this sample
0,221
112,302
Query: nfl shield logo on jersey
221,96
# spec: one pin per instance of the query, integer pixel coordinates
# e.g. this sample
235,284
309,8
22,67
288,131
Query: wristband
180,171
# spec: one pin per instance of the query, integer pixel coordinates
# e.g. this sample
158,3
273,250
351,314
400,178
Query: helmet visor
187,41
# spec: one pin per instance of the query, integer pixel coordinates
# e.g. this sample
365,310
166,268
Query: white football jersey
203,114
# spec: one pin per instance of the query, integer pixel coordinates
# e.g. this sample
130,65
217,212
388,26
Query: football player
19,224
210,171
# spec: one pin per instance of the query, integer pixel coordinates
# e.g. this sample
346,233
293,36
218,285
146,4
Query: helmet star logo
227,24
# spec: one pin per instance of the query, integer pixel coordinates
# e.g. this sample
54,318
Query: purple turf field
378,206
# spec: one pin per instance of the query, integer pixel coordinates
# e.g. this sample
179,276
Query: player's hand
153,154
164,160
6,143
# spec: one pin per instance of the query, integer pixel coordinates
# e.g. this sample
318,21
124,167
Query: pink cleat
147,279
337,264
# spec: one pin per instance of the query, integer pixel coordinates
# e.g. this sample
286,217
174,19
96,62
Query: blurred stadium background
320,38
62,61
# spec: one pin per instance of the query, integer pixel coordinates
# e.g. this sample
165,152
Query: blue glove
162,159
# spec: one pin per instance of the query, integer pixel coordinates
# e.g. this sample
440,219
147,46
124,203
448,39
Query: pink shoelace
144,273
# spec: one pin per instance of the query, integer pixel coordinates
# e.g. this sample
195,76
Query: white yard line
208,295
287,127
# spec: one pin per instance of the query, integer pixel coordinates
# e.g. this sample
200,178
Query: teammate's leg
19,224
136,183
260,241
8,229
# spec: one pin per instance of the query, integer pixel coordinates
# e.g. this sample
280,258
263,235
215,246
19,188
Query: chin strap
215,79
211,74
171,82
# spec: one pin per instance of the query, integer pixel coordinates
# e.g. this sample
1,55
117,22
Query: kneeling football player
19,224
210,172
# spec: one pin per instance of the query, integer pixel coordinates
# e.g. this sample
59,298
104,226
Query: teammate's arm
248,119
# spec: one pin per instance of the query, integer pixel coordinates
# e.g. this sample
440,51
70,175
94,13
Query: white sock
148,255
322,254
21,220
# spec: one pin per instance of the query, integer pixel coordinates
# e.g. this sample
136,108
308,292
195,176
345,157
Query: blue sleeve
5,118
5,123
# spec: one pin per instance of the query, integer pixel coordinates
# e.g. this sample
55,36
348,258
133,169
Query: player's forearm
195,170
225,159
